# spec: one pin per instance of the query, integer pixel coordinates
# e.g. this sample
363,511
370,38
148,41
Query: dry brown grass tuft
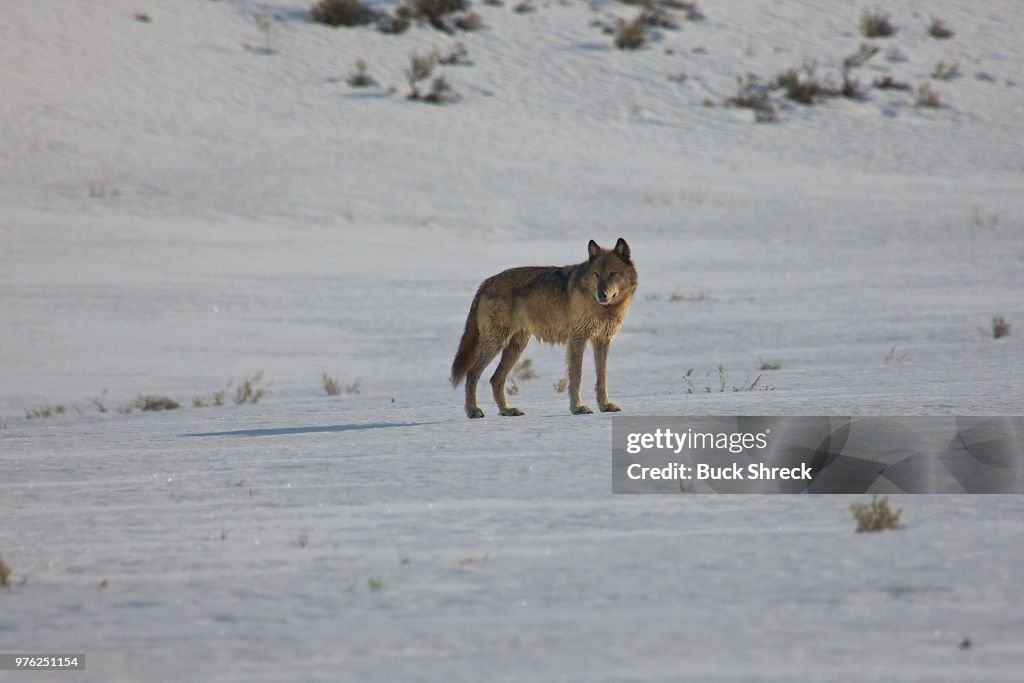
876,25
631,34
875,516
341,12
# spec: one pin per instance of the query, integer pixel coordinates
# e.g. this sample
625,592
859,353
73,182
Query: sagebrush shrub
926,96
432,10
875,516
150,402
632,34
340,12
360,78
441,92
937,29
888,83
1000,328
802,85
876,25
945,71
395,25
248,391
469,22
420,68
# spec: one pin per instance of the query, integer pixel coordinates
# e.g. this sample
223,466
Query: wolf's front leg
574,359
601,364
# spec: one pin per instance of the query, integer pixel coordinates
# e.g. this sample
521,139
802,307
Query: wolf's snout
605,298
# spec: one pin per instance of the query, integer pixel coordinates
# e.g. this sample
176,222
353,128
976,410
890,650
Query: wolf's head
610,275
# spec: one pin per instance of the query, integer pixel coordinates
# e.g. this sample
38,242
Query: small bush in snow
767,114
722,384
396,25
753,94
893,54
561,385
888,83
926,96
632,34
655,17
335,388
265,23
693,12
102,186
360,78
861,57
1000,328
524,370
217,398
44,411
431,8
420,68
456,55
5,573
432,11
100,401
677,295
895,357
851,86
441,92
939,30
340,12
802,85
149,402
524,7
248,390
876,25
875,516
945,72
469,22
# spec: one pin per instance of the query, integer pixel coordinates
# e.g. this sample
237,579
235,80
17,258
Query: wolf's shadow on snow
284,431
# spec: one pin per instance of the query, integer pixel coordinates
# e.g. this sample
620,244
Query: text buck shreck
704,472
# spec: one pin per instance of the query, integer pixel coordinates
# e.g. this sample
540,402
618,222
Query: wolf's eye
612,274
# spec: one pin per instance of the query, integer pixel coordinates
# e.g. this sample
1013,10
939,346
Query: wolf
568,305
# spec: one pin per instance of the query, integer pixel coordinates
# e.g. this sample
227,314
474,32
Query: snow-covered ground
178,211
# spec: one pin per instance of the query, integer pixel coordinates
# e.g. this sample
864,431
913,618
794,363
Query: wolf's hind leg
574,359
601,365
509,356
489,349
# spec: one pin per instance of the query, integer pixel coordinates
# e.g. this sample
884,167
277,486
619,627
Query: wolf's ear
593,250
622,249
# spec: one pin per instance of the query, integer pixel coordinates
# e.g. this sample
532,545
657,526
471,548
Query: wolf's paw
474,412
610,407
581,410
511,412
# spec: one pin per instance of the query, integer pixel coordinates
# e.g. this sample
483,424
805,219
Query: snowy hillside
190,195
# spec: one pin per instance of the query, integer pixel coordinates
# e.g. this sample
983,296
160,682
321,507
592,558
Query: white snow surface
180,211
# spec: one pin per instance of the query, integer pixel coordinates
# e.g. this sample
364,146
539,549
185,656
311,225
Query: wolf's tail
469,347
